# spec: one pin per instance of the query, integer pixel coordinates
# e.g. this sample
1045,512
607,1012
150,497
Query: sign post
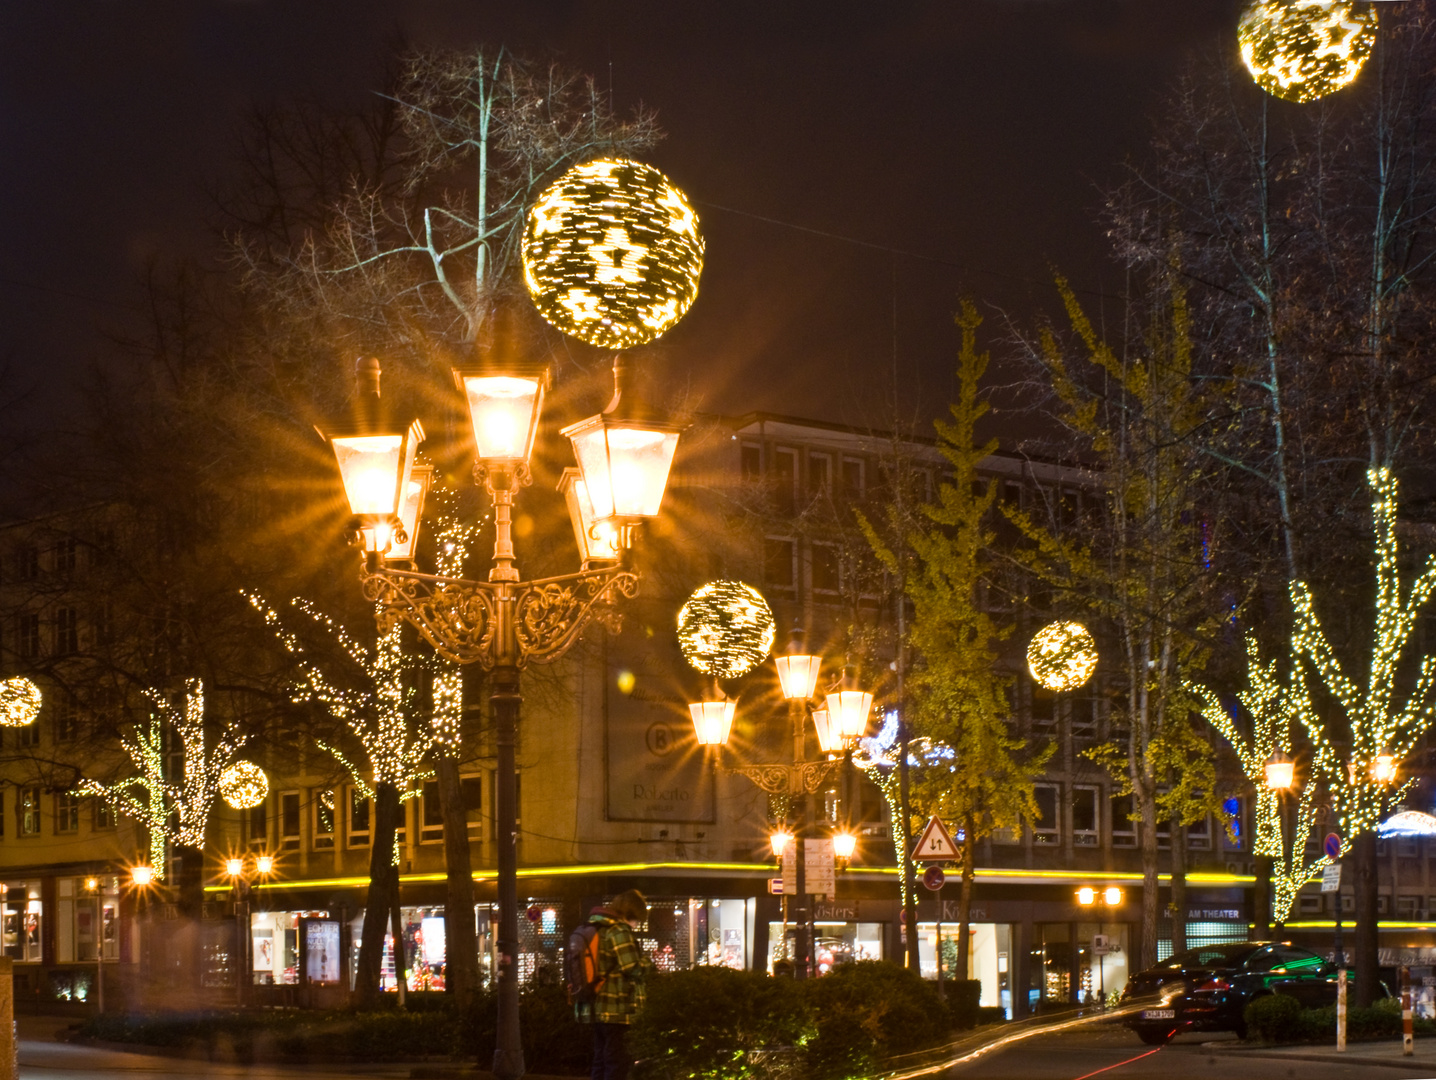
935,845
1331,883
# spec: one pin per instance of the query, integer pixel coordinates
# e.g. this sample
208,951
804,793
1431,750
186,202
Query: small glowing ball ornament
1301,50
243,785
1062,655
726,629
612,253
19,702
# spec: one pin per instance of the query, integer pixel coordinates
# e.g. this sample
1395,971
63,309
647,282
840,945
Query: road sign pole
941,993
1341,1010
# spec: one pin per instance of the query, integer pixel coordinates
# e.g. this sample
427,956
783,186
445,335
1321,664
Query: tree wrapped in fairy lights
1273,707
374,712
173,810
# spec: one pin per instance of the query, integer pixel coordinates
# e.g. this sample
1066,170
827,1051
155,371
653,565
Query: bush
710,1022
553,1042
963,996
1275,1018
869,1011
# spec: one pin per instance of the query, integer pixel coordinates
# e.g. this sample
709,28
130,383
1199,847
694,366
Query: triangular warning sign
936,843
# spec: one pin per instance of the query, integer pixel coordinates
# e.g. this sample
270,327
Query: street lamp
845,843
241,875
504,624
1280,771
92,886
850,706
778,840
1383,769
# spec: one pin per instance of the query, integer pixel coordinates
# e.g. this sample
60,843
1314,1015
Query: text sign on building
820,867
1331,878
655,769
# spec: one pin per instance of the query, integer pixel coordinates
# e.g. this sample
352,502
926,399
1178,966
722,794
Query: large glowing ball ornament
726,629
1062,655
612,253
243,785
1301,50
19,702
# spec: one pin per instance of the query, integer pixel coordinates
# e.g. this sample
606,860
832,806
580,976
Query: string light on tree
1062,655
1301,50
726,629
19,702
612,253
244,785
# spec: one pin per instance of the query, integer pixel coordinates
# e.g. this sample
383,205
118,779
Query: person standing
623,969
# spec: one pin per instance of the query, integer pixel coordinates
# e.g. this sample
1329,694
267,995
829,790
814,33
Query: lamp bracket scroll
804,778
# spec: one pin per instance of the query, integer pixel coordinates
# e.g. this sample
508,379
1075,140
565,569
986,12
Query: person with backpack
606,975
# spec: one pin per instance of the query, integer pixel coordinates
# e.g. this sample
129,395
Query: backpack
580,965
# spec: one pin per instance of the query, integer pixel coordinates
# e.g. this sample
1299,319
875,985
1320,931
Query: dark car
1208,989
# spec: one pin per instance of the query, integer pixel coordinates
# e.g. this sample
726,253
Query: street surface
1117,1054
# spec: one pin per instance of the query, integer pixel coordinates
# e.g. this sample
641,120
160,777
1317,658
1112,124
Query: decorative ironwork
500,623
804,778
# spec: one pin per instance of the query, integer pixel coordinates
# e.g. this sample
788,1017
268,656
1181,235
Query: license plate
1159,1014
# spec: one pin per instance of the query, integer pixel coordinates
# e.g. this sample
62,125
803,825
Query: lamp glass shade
234,867
1383,769
798,675
844,844
142,875
850,709
371,467
1113,896
1086,896
597,540
411,512
1280,773
504,411
625,464
779,841
264,864
830,740
712,721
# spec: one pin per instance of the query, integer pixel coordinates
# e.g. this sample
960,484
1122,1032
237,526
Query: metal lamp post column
797,713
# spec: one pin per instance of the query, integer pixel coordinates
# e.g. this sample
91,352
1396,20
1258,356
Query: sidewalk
1386,1053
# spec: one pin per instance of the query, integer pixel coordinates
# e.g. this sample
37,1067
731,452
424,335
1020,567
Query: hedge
1279,1018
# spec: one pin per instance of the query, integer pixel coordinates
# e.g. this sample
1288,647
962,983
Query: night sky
949,146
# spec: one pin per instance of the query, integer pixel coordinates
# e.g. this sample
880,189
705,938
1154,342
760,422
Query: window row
63,633
64,811
1082,817
343,817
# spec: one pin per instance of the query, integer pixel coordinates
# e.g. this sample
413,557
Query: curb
1338,1059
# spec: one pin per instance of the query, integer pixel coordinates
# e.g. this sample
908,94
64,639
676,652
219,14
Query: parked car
1208,989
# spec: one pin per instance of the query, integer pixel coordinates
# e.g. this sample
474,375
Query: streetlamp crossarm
804,778
500,623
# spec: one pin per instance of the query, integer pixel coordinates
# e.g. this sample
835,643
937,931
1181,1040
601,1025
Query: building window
67,717
1047,829
67,813
820,474
28,735
27,563
256,825
104,814
27,811
289,820
1084,816
1199,835
1044,712
785,479
432,824
473,788
100,624
22,923
1124,829
27,635
853,478
85,920
827,577
1406,906
1310,904
63,554
778,558
358,818
323,819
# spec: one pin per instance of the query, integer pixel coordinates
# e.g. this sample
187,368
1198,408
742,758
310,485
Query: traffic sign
1332,846
1331,878
933,878
935,843
1102,945
775,886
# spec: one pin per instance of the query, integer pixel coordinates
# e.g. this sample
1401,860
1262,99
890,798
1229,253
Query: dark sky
963,142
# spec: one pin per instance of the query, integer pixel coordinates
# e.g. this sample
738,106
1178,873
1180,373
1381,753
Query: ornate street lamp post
503,624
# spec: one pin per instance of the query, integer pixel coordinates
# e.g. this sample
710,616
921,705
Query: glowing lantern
1280,771
234,867
1383,769
830,739
712,721
726,629
850,707
19,702
798,674
612,253
243,785
844,844
1062,655
1086,896
1113,896
597,540
1301,50
142,876
779,840
504,406
264,864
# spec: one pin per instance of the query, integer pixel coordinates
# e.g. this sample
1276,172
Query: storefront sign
321,951
835,912
1207,914
656,769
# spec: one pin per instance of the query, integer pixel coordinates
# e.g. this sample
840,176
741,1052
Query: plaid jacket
623,967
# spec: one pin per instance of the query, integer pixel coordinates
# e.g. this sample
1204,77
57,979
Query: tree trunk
964,900
1365,952
188,870
1179,888
383,885
1150,900
401,958
1261,899
461,943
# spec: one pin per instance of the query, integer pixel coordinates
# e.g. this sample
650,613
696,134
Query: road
1107,1054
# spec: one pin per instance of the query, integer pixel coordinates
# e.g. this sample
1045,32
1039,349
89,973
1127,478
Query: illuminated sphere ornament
19,702
726,629
243,785
612,253
1301,50
1062,655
